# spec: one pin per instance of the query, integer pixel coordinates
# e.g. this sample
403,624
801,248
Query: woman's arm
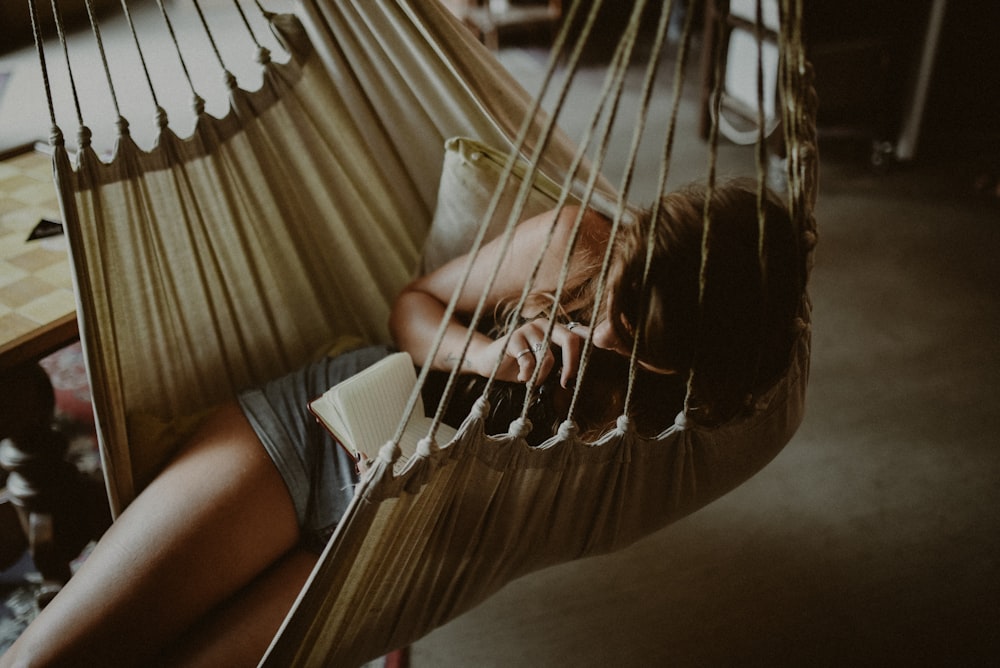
418,309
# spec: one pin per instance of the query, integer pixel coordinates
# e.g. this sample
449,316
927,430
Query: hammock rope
197,102
479,240
227,76
710,184
761,161
40,52
626,45
263,53
603,118
514,216
84,134
680,68
161,115
122,123
297,170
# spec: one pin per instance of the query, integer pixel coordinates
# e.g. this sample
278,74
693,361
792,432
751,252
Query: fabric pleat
222,260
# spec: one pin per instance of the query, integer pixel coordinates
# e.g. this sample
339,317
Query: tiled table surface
37,306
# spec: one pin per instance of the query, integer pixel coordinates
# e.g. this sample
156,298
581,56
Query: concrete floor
874,538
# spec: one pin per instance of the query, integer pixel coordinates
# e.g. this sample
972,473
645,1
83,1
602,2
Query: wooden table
47,505
37,308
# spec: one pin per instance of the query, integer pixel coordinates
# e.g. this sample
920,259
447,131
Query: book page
363,411
370,403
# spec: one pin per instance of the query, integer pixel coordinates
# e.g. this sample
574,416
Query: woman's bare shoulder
594,228
591,239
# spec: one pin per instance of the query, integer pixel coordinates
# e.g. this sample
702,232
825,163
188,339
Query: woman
206,562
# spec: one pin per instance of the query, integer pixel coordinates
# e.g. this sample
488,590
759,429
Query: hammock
213,262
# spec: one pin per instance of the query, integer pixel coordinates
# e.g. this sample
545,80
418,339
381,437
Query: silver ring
526,351
571,325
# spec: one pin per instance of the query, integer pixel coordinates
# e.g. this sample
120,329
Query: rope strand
246,23
626,48
641,119
199,103
57,16
226,74
160,112
494,203
104,62
680,69
614,83
713,154
761,155
39,48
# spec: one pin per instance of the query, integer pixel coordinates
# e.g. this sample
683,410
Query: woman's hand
421,305
525,349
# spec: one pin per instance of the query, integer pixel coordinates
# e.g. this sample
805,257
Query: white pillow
470,174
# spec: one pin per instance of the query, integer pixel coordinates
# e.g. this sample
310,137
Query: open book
363,411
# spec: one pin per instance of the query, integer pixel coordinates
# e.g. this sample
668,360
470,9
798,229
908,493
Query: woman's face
606,337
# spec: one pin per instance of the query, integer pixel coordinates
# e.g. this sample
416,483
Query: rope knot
83,136
122,125
520,427
161,118
198,105
56,136
623,423
263,55
480,409
389,452
425,447
230,80
567,430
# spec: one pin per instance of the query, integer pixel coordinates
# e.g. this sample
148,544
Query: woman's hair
737,336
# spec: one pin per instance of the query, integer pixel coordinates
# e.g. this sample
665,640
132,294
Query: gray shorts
319,474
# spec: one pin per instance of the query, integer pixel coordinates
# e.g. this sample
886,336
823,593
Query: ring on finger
526,351
571,325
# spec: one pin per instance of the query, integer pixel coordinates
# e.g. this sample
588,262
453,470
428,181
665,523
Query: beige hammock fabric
218,261
211,263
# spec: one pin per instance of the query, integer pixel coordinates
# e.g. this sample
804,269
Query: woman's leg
239,631
216,518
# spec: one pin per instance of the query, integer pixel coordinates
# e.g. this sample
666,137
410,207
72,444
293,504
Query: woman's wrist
474,360
453,359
